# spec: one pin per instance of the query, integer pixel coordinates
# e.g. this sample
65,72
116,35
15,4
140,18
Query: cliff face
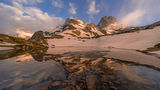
110,25
106,21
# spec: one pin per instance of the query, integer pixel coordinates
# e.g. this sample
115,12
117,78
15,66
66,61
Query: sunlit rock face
110,25
114,28
74,23
91,26
105,21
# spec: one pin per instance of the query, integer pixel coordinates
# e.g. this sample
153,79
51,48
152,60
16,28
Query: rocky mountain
37,35
76,28
105,21
110,25
108,33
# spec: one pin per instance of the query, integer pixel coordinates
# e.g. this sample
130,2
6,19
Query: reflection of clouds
24,58
77,64
18,82
136,74
31,74
133,73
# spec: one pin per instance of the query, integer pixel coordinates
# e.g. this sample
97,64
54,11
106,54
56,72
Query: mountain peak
105,21
74,21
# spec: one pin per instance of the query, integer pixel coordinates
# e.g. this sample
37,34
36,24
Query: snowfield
140,40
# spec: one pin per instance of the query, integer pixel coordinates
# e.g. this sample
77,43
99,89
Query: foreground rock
37,35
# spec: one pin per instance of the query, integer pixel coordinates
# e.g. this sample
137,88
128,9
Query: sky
45,15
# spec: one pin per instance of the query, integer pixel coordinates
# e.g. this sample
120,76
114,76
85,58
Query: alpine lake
79,68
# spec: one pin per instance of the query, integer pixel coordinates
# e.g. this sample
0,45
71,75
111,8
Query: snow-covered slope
136,40
108,33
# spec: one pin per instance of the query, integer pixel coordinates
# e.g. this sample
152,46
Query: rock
57,83
73,23
90,27
37,35
105,21
110,25
77,21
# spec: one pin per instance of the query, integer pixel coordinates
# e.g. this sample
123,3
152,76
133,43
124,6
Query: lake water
79,68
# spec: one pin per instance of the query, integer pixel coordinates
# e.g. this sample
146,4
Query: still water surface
78,68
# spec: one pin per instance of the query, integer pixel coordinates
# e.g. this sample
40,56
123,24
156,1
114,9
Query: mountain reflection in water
67,68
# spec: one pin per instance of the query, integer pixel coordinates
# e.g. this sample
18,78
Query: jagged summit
76,33
37,35
110,25
76,28
105,21
73,23
76,21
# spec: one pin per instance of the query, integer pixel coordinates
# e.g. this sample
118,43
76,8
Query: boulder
37,35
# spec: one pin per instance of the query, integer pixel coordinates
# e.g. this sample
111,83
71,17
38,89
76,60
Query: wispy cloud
58,3
92,9
72,9
28,1
139,12
133,18
17,16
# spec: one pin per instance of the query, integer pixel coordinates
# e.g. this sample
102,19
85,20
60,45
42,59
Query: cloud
28,1
139,12
17,16
57,3
133,18
23,33
92,8
72,9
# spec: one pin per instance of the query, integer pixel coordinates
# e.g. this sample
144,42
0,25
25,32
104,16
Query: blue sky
47,14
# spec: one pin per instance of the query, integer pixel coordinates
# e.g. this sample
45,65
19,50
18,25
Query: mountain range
75,27
107,33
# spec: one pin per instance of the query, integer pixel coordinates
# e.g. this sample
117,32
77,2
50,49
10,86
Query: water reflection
75,68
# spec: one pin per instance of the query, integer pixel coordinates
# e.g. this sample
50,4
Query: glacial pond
79,68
